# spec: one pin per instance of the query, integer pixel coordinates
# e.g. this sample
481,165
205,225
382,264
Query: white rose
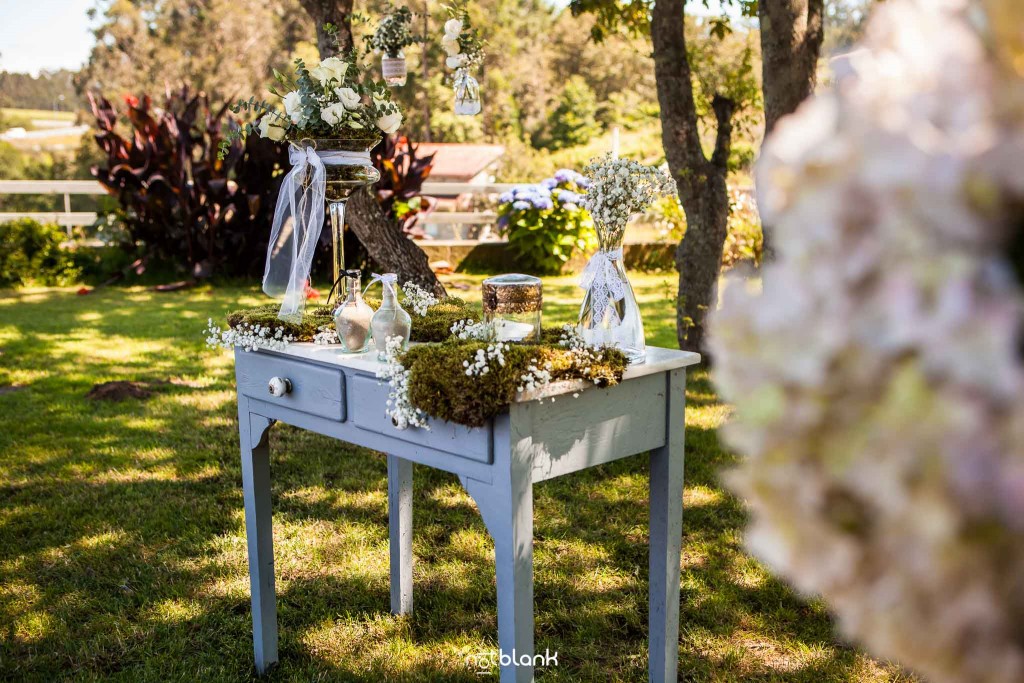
271,128
330,68
293,106
450,44
453,27
456,61
349,98
333,114
389,123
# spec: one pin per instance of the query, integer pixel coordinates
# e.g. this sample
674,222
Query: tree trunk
382,237
334,12
388,245
791,36
701,181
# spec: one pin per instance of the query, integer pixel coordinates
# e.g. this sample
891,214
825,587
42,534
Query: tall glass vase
610,315
342,181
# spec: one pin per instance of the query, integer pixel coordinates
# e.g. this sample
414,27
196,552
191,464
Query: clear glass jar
467,93
610,315
352,317
513,304
394,69
390,320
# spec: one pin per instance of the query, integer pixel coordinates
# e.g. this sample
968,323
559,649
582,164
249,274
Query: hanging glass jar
610,315
352,317
467,93
394,69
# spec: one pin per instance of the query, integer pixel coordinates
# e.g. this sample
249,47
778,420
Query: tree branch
334,12
723,108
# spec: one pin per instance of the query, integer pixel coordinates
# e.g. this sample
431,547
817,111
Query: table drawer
367,397
315,389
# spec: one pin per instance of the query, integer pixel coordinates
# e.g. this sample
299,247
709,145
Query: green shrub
546,223
574,121
30,253
744,240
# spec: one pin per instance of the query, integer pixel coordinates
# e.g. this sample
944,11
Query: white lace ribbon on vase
298,220
387,280
601,279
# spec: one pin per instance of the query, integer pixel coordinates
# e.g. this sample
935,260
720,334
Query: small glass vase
467,93
390,320
394,69
512,303
352,317
605,319
342,181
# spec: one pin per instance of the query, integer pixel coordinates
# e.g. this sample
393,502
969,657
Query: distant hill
48,90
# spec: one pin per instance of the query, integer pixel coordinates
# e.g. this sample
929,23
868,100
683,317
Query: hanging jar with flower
392,36
618,189
465,51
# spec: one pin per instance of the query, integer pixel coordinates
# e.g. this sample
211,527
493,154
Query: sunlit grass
122,545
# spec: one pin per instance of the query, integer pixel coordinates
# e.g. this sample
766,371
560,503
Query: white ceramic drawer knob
279,386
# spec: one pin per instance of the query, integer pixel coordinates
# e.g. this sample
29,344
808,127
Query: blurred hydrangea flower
879,380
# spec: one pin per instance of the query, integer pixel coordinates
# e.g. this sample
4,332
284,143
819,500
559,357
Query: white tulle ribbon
298,220
387,280
601,279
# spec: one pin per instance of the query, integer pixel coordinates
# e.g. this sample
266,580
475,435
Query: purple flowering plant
546,223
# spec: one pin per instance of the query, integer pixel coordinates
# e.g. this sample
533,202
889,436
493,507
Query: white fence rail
455,220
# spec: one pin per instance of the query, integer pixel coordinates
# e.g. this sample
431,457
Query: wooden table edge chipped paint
323,390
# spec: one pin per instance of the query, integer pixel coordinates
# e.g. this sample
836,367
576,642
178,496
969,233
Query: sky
44,34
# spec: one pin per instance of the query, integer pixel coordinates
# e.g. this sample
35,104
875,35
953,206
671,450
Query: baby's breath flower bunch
402,413
469,330
417,298
878,379
249,337
334,100
393,33
325,336
620,188
461,42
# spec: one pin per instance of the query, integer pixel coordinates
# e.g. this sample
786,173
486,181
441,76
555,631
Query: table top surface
658,360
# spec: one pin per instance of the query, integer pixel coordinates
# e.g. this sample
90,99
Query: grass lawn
122,546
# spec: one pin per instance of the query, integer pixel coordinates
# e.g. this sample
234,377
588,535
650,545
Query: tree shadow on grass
122,551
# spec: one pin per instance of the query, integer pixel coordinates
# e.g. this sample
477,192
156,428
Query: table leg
666,510
507,508
400,530
253,432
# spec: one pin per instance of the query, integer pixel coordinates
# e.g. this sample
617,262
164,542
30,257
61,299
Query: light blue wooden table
320,389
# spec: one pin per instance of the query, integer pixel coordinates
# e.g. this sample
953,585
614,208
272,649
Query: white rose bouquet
460,41
334,100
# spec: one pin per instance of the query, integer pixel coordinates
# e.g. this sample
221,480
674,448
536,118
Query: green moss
439,386
435,326
266,316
